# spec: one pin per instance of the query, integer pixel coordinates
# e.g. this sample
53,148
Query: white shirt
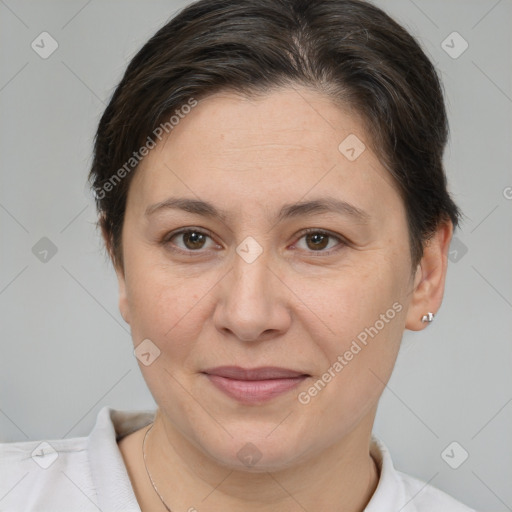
86,474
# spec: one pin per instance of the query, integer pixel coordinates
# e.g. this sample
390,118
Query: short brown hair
348,49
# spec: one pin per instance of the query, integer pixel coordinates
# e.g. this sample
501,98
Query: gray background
66,351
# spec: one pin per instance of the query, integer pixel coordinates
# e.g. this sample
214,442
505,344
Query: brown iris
320,240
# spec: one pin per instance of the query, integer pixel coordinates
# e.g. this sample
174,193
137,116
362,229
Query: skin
294,306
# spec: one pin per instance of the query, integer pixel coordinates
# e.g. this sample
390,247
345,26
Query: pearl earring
428,317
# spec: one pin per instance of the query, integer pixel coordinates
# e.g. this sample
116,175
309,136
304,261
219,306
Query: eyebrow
303,208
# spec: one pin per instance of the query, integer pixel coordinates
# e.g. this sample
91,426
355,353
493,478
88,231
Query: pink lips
254,385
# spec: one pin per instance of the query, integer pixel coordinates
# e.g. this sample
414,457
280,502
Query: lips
263,373
254,385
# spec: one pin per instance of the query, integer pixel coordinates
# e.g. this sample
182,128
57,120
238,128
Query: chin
255,453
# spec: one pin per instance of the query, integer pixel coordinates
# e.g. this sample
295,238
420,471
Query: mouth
254,385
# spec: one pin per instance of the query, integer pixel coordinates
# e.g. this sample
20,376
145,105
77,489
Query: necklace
160,496
147,470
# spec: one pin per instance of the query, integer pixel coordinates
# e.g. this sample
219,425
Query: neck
342,478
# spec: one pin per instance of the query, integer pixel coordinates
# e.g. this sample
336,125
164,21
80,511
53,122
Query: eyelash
167,241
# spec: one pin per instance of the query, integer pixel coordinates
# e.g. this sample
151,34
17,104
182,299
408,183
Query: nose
253,302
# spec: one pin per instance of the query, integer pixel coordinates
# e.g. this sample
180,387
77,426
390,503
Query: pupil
318,237
195,239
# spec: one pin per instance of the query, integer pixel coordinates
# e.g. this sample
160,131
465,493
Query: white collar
115,491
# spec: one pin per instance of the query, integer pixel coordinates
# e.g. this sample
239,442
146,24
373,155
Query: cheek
364,316
351,384
349,300
166,308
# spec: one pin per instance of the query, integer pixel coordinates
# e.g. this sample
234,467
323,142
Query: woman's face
251,289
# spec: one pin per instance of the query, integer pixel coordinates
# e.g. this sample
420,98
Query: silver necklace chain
147,470
154,485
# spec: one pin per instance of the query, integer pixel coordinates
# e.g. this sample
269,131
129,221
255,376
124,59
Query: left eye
317,240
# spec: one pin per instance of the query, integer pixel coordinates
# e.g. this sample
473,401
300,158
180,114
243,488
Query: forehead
290,142
282,121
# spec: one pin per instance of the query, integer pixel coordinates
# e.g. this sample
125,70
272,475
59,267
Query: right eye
193,240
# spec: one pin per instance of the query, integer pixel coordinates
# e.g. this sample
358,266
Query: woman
270,188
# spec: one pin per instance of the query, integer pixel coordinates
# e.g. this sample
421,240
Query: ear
429,280
123,300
